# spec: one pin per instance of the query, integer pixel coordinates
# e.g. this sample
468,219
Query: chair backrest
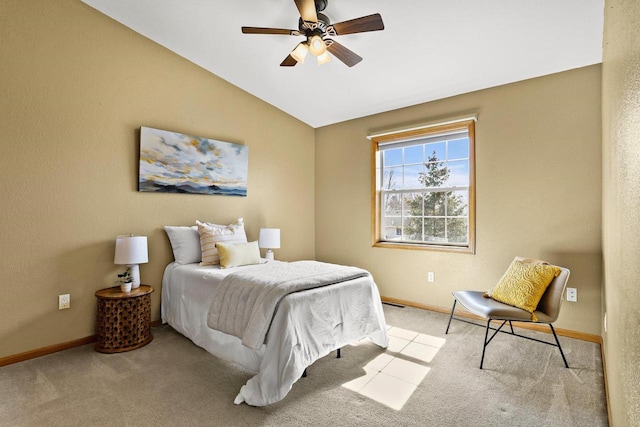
552,299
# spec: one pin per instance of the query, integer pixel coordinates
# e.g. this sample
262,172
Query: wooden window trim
376,214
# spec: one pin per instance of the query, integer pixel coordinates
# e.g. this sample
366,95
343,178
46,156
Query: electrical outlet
572,294
64,301
431,276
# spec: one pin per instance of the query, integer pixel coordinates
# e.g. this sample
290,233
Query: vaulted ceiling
428,50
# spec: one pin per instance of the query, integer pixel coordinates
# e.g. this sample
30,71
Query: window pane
412,176
457,230
392,228
459,149
412,213
412,230
413,154
436,149
392,157
392,178
458,173
412,204
458,203
436,175
434,204
434,230
392,205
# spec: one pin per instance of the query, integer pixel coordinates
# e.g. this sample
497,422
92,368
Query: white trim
423,126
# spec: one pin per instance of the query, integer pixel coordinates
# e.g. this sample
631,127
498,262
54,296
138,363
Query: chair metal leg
558,343
484,346
339,355
495,332
451,317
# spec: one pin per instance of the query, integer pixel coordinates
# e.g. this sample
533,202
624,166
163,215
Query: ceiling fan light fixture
324,58
317,46
319,32
300,52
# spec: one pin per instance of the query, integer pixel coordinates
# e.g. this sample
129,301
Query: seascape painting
172,162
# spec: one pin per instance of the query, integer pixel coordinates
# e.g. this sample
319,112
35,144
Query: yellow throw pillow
234,255
523,284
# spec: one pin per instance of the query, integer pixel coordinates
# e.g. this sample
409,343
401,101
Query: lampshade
269,238
324,58
131,250
317,46
300,52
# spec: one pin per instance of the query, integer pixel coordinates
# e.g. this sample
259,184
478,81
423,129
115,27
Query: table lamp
130,251
269,239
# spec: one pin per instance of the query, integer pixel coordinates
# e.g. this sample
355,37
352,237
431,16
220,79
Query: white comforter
246,301
307,326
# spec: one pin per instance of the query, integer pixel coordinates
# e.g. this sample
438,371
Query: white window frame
414,136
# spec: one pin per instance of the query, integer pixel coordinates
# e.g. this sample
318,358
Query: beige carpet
171,382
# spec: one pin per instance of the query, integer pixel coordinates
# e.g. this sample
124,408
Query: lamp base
269,255
135,273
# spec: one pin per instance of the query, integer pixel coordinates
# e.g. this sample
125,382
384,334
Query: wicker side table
124,319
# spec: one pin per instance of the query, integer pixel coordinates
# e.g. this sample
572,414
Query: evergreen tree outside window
424,195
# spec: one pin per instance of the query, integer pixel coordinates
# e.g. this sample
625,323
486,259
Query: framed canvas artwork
172,162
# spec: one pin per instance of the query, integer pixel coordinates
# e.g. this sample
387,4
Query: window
424,195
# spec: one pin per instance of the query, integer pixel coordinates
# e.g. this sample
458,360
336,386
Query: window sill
425,247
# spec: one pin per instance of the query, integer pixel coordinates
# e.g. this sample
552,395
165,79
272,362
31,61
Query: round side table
124,319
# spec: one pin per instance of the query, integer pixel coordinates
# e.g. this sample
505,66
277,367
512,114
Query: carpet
172,382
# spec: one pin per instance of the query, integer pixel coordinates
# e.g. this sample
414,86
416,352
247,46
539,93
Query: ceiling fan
317,29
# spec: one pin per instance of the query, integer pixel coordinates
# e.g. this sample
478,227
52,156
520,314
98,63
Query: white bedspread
246,300
307,325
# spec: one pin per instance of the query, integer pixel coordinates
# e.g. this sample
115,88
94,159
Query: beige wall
538,193
75,87
621,207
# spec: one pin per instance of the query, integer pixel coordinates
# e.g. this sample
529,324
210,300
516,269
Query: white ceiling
428,50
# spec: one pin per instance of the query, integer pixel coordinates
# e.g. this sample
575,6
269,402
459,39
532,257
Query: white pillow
210,234
185,242
237,254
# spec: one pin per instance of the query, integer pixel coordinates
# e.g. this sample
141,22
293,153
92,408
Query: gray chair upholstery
547,311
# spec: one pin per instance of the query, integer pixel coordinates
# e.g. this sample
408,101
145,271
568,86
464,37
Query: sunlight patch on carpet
392,377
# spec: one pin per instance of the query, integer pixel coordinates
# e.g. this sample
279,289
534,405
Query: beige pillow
234,255
211,234
523,285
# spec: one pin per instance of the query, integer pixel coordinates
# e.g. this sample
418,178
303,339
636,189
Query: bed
306,326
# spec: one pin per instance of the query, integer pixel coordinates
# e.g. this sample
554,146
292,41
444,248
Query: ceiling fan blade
289,61
360,25
259,30
307,9
345,55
